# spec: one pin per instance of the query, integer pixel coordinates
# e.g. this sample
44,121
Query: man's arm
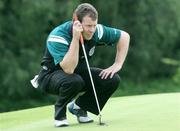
71,59
122,49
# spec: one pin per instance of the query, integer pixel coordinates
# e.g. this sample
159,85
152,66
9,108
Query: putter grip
81,37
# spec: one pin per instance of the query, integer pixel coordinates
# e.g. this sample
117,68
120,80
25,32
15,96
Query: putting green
158,112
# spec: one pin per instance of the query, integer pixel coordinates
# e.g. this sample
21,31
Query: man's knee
113,83
77,81
116,79
74,82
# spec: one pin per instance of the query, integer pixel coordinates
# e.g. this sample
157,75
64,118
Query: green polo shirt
60,38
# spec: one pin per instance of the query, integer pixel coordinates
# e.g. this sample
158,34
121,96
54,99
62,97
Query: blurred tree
176,63
24,28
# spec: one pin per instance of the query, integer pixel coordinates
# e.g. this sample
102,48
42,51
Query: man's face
89,27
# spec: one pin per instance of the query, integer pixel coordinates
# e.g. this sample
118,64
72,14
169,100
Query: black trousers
68,86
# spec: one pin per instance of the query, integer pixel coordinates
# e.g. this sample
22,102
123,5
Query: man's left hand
109,71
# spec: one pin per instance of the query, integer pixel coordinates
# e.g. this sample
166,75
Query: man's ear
75,17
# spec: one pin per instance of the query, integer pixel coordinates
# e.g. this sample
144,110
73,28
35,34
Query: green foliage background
154,27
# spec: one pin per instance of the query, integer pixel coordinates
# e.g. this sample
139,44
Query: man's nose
92,29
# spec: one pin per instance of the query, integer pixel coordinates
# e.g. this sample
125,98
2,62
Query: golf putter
92,82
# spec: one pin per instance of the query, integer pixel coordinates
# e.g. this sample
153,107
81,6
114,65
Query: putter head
100,122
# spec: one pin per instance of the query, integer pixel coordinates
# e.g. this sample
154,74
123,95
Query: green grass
160,112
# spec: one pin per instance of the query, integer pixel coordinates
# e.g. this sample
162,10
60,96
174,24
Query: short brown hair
86,9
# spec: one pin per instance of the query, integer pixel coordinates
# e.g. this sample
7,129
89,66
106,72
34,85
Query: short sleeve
108,35
57,47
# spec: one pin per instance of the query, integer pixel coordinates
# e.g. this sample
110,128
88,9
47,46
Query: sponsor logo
91,52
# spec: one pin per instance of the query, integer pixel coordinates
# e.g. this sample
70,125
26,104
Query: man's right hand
77,29
71,58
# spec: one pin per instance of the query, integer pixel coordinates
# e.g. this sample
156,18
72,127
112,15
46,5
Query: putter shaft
92,82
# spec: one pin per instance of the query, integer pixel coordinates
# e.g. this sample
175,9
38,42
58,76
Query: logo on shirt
91,52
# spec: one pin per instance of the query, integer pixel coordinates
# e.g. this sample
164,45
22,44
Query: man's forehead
89,20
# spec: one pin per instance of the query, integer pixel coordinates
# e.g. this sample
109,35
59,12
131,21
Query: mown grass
160,112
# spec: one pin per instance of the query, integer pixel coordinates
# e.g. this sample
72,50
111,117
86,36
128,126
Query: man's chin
88,38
